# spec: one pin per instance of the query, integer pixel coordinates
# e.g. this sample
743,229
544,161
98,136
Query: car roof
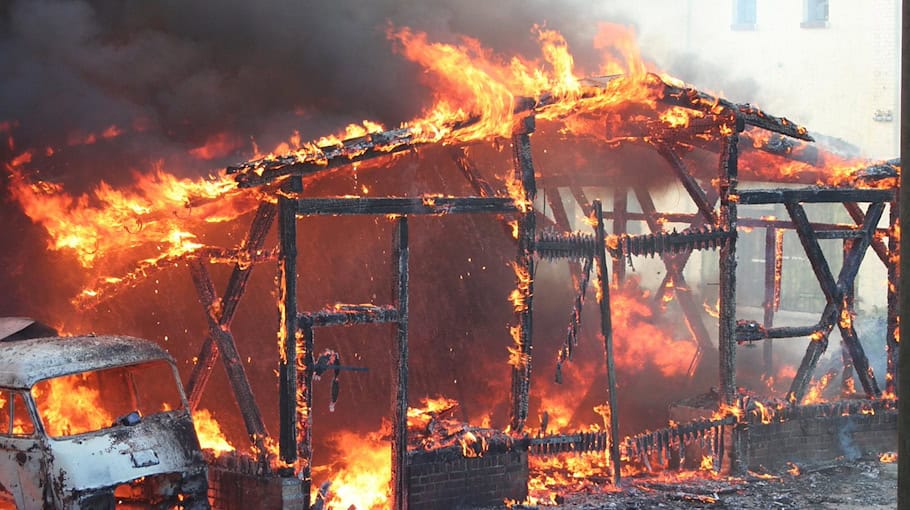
25,362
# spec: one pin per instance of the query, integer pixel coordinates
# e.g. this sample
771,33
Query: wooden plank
606,330
523,169
403,205
287,362
727,175
399,401
814,195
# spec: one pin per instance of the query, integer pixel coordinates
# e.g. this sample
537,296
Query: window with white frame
815,14
744,15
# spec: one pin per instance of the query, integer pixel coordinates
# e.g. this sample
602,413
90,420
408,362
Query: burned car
93,421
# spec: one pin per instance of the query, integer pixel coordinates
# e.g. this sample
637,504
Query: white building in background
831,65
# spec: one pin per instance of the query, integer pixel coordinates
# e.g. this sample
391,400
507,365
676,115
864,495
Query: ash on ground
841,485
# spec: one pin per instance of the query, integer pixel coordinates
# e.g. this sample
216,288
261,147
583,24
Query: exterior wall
442,479
819,439
831,79
233,485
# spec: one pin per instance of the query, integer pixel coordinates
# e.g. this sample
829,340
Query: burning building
399,247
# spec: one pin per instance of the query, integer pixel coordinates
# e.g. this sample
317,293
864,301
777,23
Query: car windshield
90,401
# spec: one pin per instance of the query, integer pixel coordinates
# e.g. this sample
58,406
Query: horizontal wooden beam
404,206
814,195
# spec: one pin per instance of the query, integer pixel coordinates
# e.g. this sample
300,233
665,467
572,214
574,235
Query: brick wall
233,485
816,439
444,478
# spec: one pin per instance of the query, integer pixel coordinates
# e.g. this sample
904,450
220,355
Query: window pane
91,401
4,411
22,422
744,12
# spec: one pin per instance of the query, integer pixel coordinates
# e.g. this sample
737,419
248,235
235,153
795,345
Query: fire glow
475,94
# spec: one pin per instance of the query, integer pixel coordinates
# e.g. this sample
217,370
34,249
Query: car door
22,453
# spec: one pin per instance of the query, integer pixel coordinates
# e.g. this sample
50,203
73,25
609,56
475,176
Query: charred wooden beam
847,314
894,278
877,245
404,206
620,210
471,173
346,315
288,325
688,181
399,404
523,168
236,286
480,185
243,393
306,365
727,220
582,200
834,291
814,195
704,238
606,330
319,159
773,267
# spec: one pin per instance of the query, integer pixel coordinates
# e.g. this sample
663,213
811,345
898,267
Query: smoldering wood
620,209
606,330
848,307
404,206
346,315
814,195
582,200
240,385
727,220
834,293
236,286
478,183
688,181
306,365
877,244
399,401
472,174
772,285
523,170
893,297
287,363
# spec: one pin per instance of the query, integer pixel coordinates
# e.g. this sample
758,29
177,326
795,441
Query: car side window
5,412
14,417
22,422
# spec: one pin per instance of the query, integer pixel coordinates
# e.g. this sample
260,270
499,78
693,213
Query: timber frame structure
718,200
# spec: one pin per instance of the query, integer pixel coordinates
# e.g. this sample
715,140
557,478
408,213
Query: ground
866,484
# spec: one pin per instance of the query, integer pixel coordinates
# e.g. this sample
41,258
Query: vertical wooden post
306,364
620,207
727,220
771,290
287,335
846,382
606,330
400,254
524,267
893,341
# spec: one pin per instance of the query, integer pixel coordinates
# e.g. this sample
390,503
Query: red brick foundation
234,485
814,439
444,478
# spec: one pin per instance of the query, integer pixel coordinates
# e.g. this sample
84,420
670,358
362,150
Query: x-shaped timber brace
710,227
838,291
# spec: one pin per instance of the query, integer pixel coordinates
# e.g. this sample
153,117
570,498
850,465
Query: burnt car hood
160,443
